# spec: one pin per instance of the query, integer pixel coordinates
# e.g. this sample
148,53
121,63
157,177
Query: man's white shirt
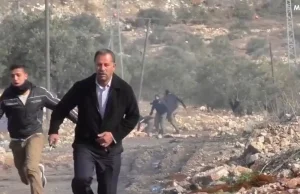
102,95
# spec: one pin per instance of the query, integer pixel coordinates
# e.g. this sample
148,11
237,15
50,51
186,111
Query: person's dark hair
18,66
104,52
167,91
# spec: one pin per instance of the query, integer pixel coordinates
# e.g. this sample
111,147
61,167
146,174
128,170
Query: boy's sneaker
43,177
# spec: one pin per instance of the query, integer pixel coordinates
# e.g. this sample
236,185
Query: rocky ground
215,153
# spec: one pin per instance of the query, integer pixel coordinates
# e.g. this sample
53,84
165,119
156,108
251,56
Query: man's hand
53,139
105,139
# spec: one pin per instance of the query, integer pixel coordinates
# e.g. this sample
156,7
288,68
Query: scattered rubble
220,121
270,143
223,179
267,148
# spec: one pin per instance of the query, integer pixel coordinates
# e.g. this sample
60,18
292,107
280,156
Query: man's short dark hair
104,52
18,66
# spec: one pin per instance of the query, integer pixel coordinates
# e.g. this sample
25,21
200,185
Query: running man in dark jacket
107,112
161,111
171,102
22,103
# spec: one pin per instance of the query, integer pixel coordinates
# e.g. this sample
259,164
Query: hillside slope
220,18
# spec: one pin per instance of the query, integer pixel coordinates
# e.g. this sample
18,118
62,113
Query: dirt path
145,161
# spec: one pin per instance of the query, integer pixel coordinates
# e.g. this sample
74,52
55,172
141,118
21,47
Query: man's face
105,67
18,76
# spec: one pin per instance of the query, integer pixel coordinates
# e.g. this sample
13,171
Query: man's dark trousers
107,166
